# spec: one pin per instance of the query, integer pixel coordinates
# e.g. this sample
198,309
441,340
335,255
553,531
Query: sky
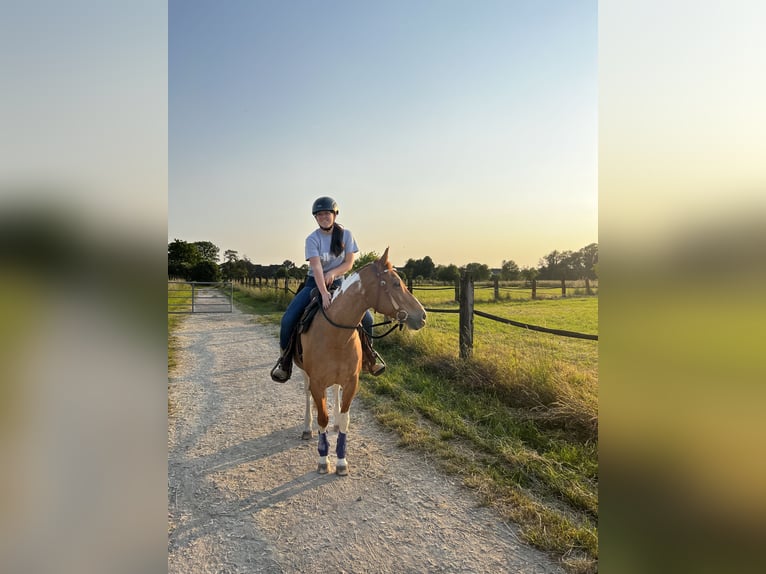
463,131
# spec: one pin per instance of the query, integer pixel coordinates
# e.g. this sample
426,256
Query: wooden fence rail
494,284
464,295
467,312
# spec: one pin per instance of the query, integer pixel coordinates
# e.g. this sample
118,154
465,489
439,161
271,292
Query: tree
181,252
570,264
426,267
230,255
509,271
207,251
205,271
447,274
529,273
420,268
480,271
590,260
182,257
364,259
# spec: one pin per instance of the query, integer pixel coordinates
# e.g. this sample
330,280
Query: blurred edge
682,268
83,210
83,430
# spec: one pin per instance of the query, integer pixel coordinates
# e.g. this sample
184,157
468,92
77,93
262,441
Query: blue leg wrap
340,447
324,446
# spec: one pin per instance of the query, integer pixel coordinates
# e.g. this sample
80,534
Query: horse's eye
382,283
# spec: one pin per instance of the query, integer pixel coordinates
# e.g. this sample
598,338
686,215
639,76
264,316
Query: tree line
198,261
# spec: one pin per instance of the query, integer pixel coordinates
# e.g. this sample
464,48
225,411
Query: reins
333,323
399,324
359,325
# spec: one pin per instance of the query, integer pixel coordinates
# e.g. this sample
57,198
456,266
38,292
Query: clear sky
465,131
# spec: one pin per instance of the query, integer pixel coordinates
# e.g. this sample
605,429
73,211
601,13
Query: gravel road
244,495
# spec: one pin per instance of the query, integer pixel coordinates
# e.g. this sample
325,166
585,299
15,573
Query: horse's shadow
201,489
242,509
250,451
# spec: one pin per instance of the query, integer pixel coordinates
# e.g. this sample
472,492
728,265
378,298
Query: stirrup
377,366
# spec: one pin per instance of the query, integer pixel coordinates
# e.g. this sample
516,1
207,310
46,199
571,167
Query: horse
332,349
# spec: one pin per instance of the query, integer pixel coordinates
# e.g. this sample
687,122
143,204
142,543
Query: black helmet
324,204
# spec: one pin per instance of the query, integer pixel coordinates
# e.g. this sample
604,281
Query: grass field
179,297
518,421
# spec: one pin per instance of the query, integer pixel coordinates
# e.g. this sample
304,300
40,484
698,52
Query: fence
464,293
200,297
464,290
536,289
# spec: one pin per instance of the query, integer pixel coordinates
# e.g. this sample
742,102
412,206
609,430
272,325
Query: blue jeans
298,305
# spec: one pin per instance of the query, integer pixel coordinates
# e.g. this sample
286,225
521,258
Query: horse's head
388,294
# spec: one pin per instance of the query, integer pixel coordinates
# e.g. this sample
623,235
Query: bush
205,271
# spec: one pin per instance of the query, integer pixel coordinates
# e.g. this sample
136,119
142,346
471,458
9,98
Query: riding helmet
324,204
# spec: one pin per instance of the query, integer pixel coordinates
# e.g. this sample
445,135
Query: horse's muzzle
414,321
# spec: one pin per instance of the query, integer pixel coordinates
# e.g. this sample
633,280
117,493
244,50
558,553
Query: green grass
178,298
517,422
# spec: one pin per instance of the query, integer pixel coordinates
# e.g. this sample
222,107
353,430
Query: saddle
309,312
295,348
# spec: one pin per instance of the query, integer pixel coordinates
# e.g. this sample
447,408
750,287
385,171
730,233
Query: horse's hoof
341,470
307,435
322,468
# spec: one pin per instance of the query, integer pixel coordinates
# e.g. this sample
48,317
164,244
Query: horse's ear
384,258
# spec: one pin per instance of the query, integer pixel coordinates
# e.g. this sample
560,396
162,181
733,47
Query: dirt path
244,495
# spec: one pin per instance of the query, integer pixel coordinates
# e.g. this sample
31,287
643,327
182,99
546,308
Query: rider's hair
336,243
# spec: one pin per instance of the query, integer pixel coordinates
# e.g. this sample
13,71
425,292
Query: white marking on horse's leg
307,417
336,405
343,420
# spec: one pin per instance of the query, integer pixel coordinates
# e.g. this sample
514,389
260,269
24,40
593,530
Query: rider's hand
326,300
328,279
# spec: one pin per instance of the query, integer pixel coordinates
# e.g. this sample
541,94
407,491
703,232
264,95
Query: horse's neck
348,304
348,309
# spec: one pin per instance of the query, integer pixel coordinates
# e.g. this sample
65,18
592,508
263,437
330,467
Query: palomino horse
332,351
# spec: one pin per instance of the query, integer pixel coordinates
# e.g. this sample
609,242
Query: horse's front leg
336,406
323,446
309,416
341,465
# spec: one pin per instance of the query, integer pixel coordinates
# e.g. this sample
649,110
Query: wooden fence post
563,288
588,290
534,288
497,289
466,317
457,290
409,284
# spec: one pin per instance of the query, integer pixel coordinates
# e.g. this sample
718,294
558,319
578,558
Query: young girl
330,251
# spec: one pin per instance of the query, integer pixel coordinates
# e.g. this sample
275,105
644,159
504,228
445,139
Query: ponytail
336,243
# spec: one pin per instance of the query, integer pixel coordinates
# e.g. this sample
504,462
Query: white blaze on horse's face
352,279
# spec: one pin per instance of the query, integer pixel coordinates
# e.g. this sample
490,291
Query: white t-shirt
318,245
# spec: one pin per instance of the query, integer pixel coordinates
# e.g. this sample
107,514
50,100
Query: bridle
401,314
380,275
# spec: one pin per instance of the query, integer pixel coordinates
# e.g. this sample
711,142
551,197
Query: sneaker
278,374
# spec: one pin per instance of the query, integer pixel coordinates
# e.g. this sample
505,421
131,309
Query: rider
330,251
